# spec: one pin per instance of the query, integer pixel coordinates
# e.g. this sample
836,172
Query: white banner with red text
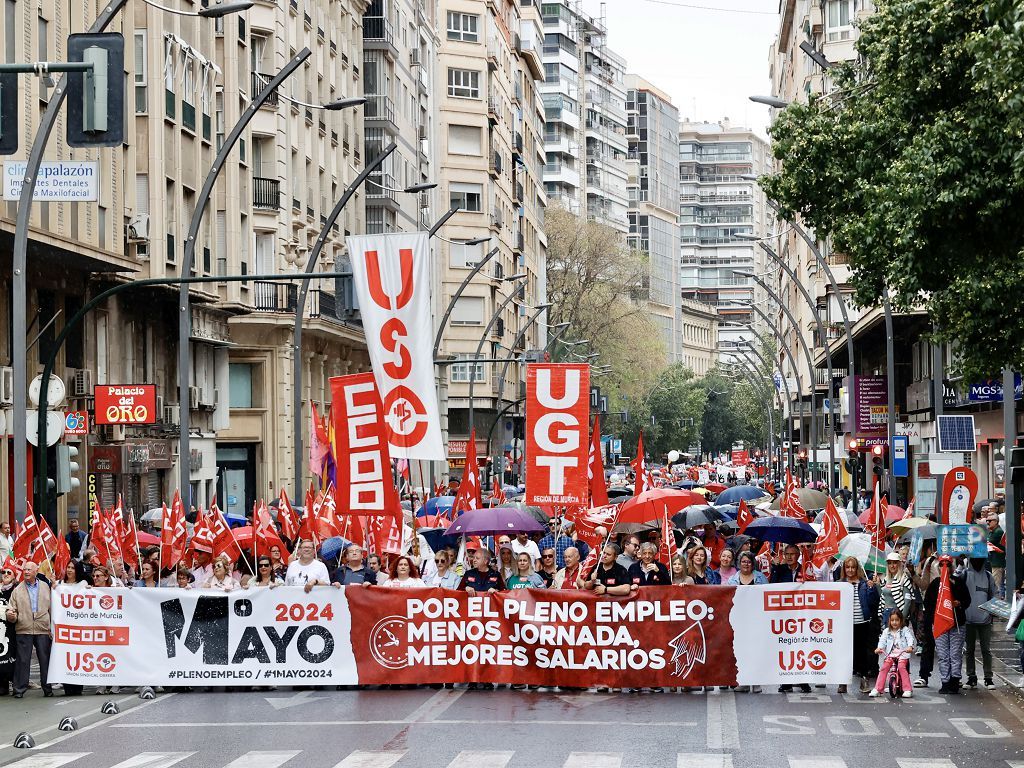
392,278
661,636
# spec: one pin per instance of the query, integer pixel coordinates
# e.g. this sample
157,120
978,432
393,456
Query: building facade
491,131
719,199
700,336
585,112
653,133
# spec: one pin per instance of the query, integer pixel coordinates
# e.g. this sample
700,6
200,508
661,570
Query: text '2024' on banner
663,636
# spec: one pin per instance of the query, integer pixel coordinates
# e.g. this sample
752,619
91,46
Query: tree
669,414
591,276
914,167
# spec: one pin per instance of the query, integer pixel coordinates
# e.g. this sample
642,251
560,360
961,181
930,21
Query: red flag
744,517
595,468
112,536
310,498
945,617
28,536
910,509
172,533
879,508
287,517
770,487
589,564
384,535
60,562
833,530
587,521
223,540
468,496
202,533
790,504
497,494
130,541
668,540
641,480
325,515
47,539
266,534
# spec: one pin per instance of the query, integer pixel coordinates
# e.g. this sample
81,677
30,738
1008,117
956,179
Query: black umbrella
695,516
619,492
983,503
633,528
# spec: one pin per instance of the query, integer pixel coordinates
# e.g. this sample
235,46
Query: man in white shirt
6,541
203,569
307,571
522,543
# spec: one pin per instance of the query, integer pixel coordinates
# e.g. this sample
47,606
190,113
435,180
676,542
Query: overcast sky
708,61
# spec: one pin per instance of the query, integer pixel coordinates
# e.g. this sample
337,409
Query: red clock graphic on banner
387,642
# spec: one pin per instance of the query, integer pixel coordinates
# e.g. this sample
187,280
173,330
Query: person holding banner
610,578
482,578
443,575
147,576
748,573
569,577
8,644
352,570
648,570
404,574
699,568
726,569
524,576
865,606
679,575
29,609
265,576
221,580
306,571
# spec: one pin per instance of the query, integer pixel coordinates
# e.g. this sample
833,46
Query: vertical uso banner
364,484
392,278
557,420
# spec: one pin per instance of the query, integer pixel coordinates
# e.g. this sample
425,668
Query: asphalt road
426,728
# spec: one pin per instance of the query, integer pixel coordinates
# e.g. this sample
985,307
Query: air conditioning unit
81,386
114,433
6,385
172,414
208,398
414,57
193,398
138,228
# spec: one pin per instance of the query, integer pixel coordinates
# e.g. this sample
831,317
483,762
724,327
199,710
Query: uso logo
801,660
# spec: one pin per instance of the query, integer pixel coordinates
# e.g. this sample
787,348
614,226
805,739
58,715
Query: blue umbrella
783,530
737,492
333,546
688,485
436,505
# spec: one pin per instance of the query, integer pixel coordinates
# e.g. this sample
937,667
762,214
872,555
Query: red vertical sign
557,426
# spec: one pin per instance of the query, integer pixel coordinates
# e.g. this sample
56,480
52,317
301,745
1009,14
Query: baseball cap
893,557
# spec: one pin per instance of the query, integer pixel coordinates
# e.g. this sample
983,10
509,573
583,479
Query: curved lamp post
769,364
758,386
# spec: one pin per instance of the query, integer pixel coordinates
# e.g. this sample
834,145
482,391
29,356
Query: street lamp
19,253
462,287
756,381
517,292
303,292
771,101
217,11
743,349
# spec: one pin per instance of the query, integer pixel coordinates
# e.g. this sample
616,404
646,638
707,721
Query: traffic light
853,446
67,469
96,97
8,114
878,460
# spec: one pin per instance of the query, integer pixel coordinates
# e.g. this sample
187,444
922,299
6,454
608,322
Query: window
464,140
461,372
468,310
464,83
468,197
838,20
462,256
240,385
141,72
463,26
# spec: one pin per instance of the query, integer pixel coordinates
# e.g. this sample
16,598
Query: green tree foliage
915,168
669,413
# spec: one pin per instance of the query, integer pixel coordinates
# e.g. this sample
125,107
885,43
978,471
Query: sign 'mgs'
557,425
392,279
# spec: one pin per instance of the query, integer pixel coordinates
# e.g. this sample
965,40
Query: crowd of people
893,609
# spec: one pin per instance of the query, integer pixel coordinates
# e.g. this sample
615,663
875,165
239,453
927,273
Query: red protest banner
365,485
557,424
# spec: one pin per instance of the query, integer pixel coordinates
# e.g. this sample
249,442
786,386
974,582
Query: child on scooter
896,644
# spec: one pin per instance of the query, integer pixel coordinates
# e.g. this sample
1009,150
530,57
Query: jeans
982,632
903,669
949,651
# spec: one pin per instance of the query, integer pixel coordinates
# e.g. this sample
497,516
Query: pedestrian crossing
469,759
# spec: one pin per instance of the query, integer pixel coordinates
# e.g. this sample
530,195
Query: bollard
24,740
146,692
110,708
67,724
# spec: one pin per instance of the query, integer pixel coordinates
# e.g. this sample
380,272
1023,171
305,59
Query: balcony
380,190
259,82
266,193
517,144
494,167
493,109
517,192
379,34
380,110
519,244
274,297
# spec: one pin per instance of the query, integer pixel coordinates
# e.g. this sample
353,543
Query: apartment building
491,129
653,162
718,199
585,113
190,81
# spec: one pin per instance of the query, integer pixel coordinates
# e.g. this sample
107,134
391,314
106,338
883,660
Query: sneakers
875,693
921,682
972,683
908,694
864,685
989,684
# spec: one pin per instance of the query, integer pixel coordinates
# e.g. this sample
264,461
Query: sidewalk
1005,657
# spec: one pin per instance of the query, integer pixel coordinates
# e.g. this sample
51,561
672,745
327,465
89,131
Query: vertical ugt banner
392,278
364,484
557,421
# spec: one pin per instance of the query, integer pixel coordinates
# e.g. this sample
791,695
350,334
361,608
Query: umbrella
653,504
716,487
684,484
927,531
434,537
737,541
737,492
703,492
619,491
858,545
728,511
152,516
853,522
902,526
436,505
333,546
632,528
535,513
808,498
783,530
147,539
493,521
695,516
892,515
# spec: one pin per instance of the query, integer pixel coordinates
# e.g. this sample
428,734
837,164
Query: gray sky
709,62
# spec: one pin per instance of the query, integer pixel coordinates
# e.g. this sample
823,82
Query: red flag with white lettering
223,540
790,504
266,534
364,482
833,530
287,517
595,468
468,496
641,480
945,617
744,517
28,536
879,509
60,562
